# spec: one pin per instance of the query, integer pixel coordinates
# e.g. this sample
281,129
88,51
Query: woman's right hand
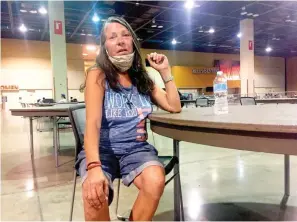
96,188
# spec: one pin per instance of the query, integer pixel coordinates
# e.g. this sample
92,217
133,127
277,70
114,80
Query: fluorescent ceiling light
42,10
211,30
268,49
189,4
239,35
173,42
95,18
23,28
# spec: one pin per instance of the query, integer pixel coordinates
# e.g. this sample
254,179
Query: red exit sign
251,45
58,27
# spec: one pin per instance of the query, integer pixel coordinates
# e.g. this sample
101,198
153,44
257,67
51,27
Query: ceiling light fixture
154,26
211,30
189,4
160,26
33,11
42,10
82,34
84,54
23,10
255,15
243,13
268,49
23,28
173,42
91,47
95,18
249,14
239,35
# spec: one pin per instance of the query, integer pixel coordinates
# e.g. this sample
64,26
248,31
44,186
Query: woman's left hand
160,63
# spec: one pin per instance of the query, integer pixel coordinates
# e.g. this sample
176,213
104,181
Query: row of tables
258,101
268,128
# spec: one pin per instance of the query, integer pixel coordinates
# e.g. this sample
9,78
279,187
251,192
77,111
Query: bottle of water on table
220,90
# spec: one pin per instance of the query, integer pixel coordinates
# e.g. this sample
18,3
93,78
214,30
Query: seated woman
118,94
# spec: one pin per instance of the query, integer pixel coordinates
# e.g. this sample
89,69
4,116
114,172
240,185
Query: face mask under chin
122,62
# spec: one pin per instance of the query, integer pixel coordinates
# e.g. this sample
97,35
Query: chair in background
62,123
245,101
48,100
202,102
77,115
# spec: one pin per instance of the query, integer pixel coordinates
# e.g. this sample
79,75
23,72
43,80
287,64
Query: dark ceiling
275,23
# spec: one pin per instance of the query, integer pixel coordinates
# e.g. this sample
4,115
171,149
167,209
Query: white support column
58,48
247,69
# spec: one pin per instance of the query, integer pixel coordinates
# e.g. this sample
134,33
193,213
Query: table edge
226,126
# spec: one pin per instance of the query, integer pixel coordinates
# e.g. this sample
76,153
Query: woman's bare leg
151,183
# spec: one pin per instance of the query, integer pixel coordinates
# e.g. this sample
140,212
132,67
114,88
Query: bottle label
220,87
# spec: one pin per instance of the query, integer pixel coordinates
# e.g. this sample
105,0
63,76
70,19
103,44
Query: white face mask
122,62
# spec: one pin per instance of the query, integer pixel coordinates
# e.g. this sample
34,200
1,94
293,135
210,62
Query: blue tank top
123,118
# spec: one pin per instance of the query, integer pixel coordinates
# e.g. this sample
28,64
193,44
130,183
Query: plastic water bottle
220,90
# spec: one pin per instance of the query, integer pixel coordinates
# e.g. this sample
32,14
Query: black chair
48,101
62,123
245,101
77,117
202,102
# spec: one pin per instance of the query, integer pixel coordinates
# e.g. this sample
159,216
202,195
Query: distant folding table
54,111
277,100
268,129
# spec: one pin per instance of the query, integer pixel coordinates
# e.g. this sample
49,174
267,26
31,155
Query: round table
266,128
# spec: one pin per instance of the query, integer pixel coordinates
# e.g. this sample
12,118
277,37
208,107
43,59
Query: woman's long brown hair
137,72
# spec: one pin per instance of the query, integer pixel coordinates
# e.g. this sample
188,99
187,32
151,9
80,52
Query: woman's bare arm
94,95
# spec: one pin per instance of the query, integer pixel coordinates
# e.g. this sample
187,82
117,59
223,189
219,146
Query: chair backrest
77,116
245,101
202,102
48,101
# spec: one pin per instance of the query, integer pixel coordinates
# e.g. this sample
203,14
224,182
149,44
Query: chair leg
73,195
120,217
